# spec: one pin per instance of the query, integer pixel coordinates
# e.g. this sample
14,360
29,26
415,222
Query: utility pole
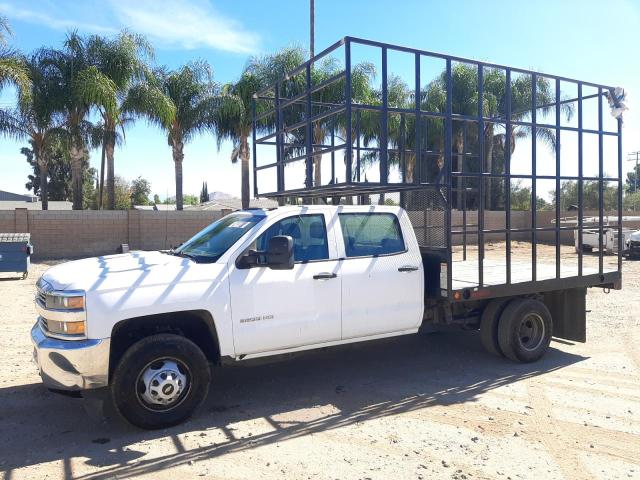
636,171
312,26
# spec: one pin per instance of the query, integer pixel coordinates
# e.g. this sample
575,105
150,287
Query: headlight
66,328
63,301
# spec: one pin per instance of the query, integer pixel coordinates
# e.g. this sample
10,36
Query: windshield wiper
190,256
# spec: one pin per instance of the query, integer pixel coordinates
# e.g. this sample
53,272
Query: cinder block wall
73,234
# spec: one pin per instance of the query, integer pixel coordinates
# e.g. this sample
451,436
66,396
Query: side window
370,234
309,237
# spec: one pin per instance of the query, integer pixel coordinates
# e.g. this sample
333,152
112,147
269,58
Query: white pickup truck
149,325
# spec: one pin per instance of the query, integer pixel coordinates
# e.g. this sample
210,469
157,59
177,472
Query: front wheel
525,329
160,381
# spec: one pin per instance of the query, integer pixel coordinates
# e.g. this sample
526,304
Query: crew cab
149,324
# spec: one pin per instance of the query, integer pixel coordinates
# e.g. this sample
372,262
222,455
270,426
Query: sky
580,39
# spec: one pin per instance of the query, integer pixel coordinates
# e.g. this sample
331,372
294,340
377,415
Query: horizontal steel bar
467,60
303,66
315,118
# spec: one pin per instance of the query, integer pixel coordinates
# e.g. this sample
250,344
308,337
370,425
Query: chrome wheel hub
164,382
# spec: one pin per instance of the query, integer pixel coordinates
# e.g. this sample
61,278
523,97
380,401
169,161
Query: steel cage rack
285,121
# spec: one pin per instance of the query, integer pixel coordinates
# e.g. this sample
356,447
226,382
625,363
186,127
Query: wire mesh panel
512,177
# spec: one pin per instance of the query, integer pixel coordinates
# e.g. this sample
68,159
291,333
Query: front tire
160,381
524,330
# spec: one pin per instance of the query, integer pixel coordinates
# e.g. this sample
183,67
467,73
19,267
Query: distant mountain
214,196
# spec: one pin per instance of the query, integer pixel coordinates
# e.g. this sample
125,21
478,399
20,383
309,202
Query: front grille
44,324
42,288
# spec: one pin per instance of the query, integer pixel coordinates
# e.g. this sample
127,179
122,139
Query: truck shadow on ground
360,382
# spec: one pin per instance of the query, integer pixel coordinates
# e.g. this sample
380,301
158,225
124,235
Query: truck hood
90,274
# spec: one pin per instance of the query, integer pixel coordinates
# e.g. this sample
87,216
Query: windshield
210,244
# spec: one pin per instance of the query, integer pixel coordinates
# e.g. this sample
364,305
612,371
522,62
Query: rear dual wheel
520,329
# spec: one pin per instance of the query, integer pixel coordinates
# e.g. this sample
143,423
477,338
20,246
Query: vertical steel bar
358,145
557,193
279,153
309,132
447,161
255,147
333,153
507,170
600,185
384,170
620,239
347,98
482,178
462,197
580,181
417,168
534,173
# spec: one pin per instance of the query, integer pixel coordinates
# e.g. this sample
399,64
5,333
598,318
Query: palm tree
465,101
82,87
13,69
123,60
233,121
35,120
182,102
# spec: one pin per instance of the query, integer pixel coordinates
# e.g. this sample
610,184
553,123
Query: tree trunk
178,157
44,190
76,153
244,171
101,186
111,188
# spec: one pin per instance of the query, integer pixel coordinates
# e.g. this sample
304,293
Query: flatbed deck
464,274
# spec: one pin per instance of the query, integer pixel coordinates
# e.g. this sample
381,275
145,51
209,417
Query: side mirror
280,252
249,260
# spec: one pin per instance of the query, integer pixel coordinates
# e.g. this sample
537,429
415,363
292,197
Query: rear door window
371,234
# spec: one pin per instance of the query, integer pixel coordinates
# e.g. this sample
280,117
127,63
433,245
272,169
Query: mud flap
569,312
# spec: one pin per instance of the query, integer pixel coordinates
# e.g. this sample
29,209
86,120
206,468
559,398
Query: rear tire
524,330
160,381
489,325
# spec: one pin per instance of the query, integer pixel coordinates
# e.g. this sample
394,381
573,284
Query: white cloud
42,18
185,24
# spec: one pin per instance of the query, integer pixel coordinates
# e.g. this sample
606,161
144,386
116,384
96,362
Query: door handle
324,276
408,268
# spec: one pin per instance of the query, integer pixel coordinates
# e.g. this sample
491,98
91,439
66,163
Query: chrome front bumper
71,364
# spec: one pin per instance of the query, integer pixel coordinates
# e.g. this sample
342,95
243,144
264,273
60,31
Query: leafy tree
82,86
122,190
631,201
590,195
204,193
192,95
191,200
633,179
156,199
59,172
140,191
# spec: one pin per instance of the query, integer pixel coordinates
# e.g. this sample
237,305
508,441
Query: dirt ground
419,407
